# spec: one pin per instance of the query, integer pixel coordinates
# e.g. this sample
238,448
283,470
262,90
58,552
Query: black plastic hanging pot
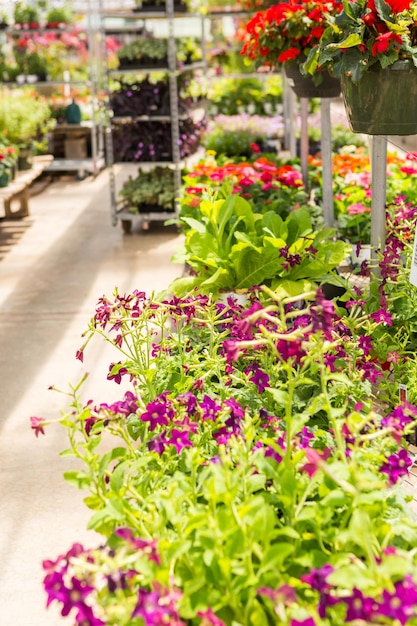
304,87
383,102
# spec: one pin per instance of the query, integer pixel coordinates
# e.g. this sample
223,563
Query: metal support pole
379,187
292,103
326,159
304,140
289,103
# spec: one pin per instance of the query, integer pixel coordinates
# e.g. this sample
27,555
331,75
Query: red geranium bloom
382,42
291,53
397,6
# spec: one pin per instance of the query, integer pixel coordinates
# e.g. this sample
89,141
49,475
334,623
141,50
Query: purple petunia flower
317,578
401,604
189,400
210,618
148,547
359,607
396,465
258,378
118,372
157,608
398,419
382,316
365,344
209,408
179,439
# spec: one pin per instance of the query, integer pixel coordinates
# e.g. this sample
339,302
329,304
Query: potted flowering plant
59,17
372,46
244,478
285,33
26,15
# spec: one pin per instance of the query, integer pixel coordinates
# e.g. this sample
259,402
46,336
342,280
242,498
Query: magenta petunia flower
210,618
382,316
157,414
396,466
209,408
179,439
315,459
359,607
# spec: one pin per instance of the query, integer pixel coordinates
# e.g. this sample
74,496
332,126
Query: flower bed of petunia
251,471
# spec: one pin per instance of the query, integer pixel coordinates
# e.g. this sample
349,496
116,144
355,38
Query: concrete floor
54,265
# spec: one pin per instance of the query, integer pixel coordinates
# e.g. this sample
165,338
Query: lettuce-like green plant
232,248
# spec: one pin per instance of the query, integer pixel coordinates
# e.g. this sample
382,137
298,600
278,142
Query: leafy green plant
260,96
231,143
24,117
156,188
59,15
25,13
342,136
150,47
233,248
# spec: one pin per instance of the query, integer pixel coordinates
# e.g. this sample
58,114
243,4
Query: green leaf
78,479
94,502
351,40
195,224
117,477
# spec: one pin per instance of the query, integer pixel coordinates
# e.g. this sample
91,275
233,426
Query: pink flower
315,459
357,208
37,423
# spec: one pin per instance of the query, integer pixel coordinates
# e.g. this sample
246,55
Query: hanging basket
383,102
304,87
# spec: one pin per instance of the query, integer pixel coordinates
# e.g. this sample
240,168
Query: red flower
287,55
382,42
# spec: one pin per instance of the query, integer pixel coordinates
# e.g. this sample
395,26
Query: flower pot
25,160
144,63
238,298
383,102
304,87
4,179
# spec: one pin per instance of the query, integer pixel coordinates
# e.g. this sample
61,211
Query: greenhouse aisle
54,265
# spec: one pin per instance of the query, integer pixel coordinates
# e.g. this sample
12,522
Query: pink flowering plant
244,477
233,248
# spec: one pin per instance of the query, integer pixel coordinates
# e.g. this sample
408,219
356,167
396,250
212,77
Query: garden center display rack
125,22
94,129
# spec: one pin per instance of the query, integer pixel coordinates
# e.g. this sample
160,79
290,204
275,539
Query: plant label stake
413,271
379,190
326,159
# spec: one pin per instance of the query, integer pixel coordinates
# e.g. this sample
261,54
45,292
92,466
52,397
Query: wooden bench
17,192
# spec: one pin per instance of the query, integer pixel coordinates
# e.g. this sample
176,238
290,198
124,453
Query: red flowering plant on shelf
266,183
287,31
367,34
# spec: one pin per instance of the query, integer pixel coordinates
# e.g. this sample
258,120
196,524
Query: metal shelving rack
127,217
95,83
